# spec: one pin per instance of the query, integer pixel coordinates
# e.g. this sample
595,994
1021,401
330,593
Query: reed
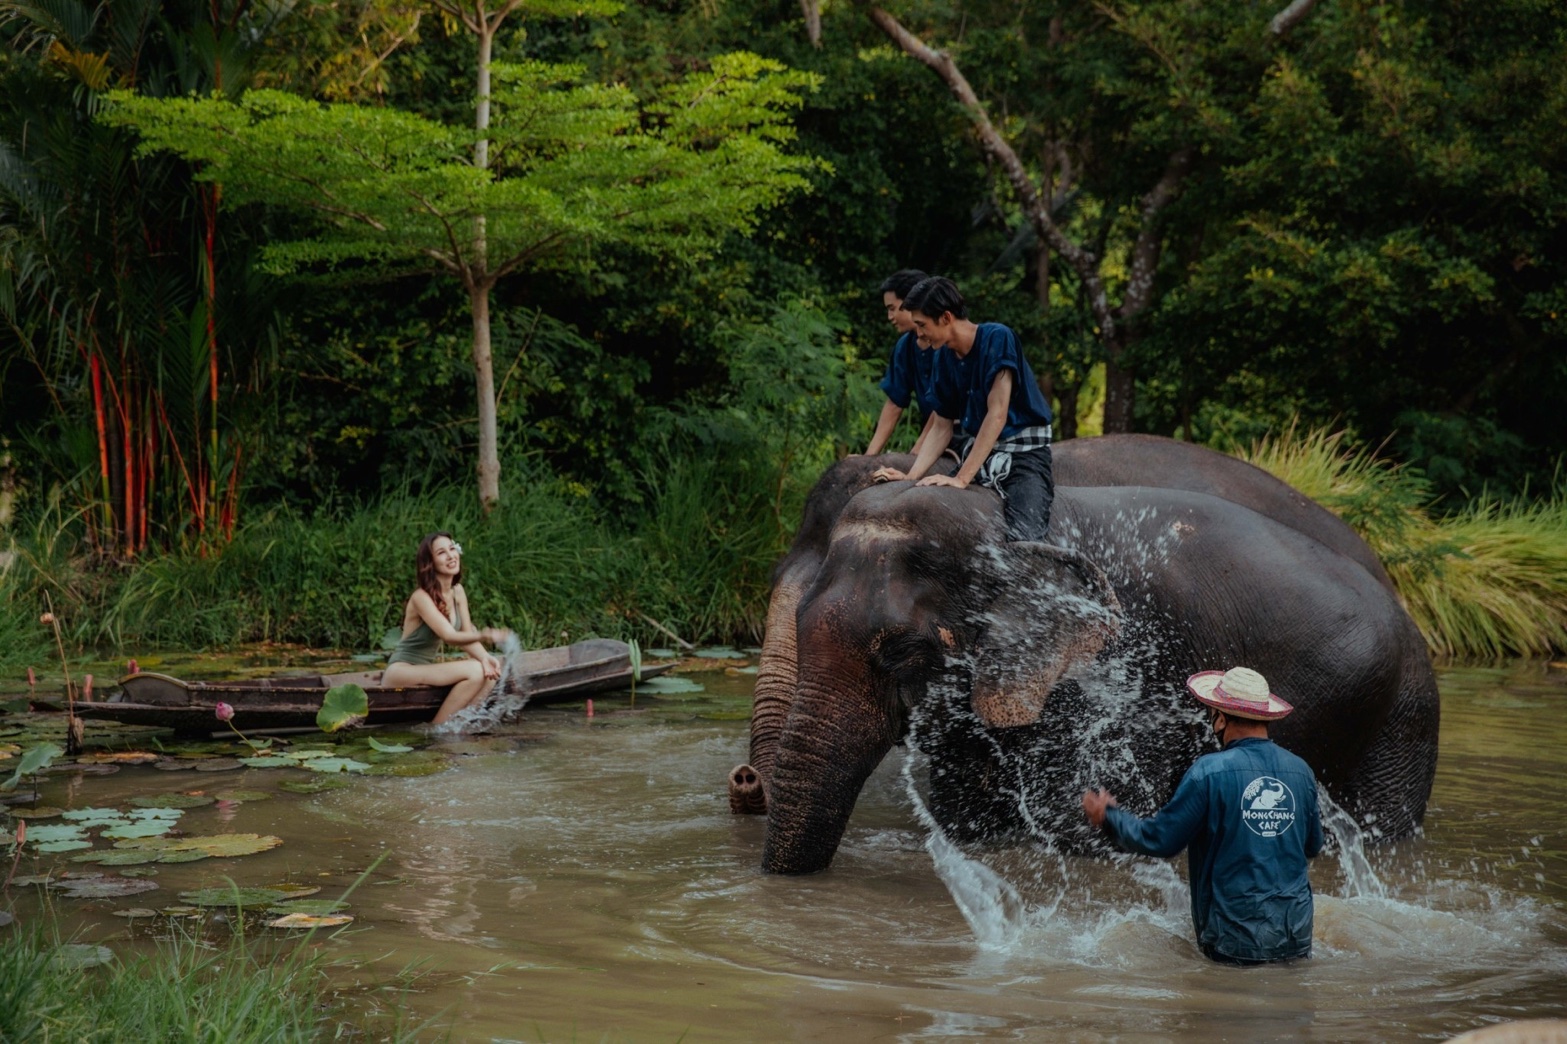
182,991
1485,582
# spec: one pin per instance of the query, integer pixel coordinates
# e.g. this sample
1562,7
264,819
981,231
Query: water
582,879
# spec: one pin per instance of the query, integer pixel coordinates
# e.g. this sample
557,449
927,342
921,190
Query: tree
564,168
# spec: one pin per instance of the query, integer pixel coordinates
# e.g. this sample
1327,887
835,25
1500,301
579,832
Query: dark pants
1028,493
1224,958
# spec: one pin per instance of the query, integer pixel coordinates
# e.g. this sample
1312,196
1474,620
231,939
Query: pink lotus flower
224,712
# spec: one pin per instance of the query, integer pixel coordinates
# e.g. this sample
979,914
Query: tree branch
1083,262
1291,16
1145,252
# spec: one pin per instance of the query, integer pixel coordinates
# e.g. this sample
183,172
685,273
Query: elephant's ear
1053,609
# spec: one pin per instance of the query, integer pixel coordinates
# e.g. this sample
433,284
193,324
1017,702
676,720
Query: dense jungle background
279,291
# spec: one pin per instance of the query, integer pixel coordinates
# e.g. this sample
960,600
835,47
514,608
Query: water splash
503,703
1360,880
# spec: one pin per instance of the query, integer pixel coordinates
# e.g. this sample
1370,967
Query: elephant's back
1221,585
1157,462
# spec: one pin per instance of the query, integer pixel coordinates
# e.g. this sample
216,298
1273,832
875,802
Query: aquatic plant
1487,581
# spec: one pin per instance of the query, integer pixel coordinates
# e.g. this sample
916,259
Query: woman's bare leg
466,677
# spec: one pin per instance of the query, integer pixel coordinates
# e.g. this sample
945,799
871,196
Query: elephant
1025,671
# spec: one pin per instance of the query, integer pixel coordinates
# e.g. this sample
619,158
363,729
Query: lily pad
268,761
135,913
62,846
309,753
343,707
242,795
82,955
32,879
304,920
172,801
314,907
34,760
50,832
37,812
182,857
231,896
104,888
215,845
408,769
141,871
220,765
295,891
719,652
669,683
389,748
176,764
118,757
149,828
314,786
94,817
114,857
335,765
181,911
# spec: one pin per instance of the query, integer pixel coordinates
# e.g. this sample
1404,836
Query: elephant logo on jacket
1267,806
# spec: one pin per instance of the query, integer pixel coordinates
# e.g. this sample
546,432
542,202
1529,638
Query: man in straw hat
1247,816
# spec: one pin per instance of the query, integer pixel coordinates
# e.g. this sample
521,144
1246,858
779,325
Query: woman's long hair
424,569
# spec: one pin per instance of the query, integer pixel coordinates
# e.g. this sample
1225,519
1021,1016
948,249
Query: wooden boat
291,701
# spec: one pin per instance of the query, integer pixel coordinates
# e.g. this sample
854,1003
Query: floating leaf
37,812
220,765
335,765
182,857
389,748
82,955
408,769
105,888
314,786
148,815
232,896
720,652
152,828
242,795
94,817
35,760
343,707
172,801
295,891
259,744
141,871
315,907
182,911
269,761
304,920
114,857
176,765
32,879
135,912
215,845
670,684
310,753
56,832
62,846
118,757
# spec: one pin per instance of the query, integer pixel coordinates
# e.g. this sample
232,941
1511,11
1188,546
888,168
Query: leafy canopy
572,165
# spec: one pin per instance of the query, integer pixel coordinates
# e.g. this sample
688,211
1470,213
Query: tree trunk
1120,396
484,393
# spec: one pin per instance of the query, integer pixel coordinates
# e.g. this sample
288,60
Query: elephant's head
917,585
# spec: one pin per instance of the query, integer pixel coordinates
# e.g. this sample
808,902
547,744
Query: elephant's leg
1388,791
776,677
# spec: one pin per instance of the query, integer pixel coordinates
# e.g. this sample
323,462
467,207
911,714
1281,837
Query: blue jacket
911,374
962,384
1248,817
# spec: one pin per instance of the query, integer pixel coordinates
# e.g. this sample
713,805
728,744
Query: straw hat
1239,692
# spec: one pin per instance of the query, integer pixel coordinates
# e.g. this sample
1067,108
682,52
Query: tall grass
181,992
546,562
1486,582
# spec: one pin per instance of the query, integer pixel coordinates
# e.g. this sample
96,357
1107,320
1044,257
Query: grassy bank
181,992
1487,581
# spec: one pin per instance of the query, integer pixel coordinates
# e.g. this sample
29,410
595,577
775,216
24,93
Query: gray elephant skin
1026,672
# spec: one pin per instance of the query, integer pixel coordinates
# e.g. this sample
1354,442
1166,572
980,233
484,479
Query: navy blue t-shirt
910,373
962,386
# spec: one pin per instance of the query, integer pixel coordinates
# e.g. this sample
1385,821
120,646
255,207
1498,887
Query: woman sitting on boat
437,612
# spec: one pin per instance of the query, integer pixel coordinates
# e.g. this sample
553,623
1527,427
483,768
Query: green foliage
1486,582
343,707
33,759
182,991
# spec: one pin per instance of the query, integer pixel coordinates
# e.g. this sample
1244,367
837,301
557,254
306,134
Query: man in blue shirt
911,368
1247,816
984,386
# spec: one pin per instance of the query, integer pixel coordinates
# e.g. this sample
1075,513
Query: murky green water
576,878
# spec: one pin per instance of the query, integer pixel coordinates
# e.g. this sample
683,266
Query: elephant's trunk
776,677
836,736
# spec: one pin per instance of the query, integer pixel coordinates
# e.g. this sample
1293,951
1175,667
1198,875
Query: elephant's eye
905,652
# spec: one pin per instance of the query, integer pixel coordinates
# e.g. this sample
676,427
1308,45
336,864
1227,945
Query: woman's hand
492,667
495,635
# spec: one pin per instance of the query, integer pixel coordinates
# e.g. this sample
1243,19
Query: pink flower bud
132,667
590,708
87,687
46,618
32,679
224,712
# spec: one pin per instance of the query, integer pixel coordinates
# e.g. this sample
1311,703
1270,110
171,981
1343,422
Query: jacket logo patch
1268,806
